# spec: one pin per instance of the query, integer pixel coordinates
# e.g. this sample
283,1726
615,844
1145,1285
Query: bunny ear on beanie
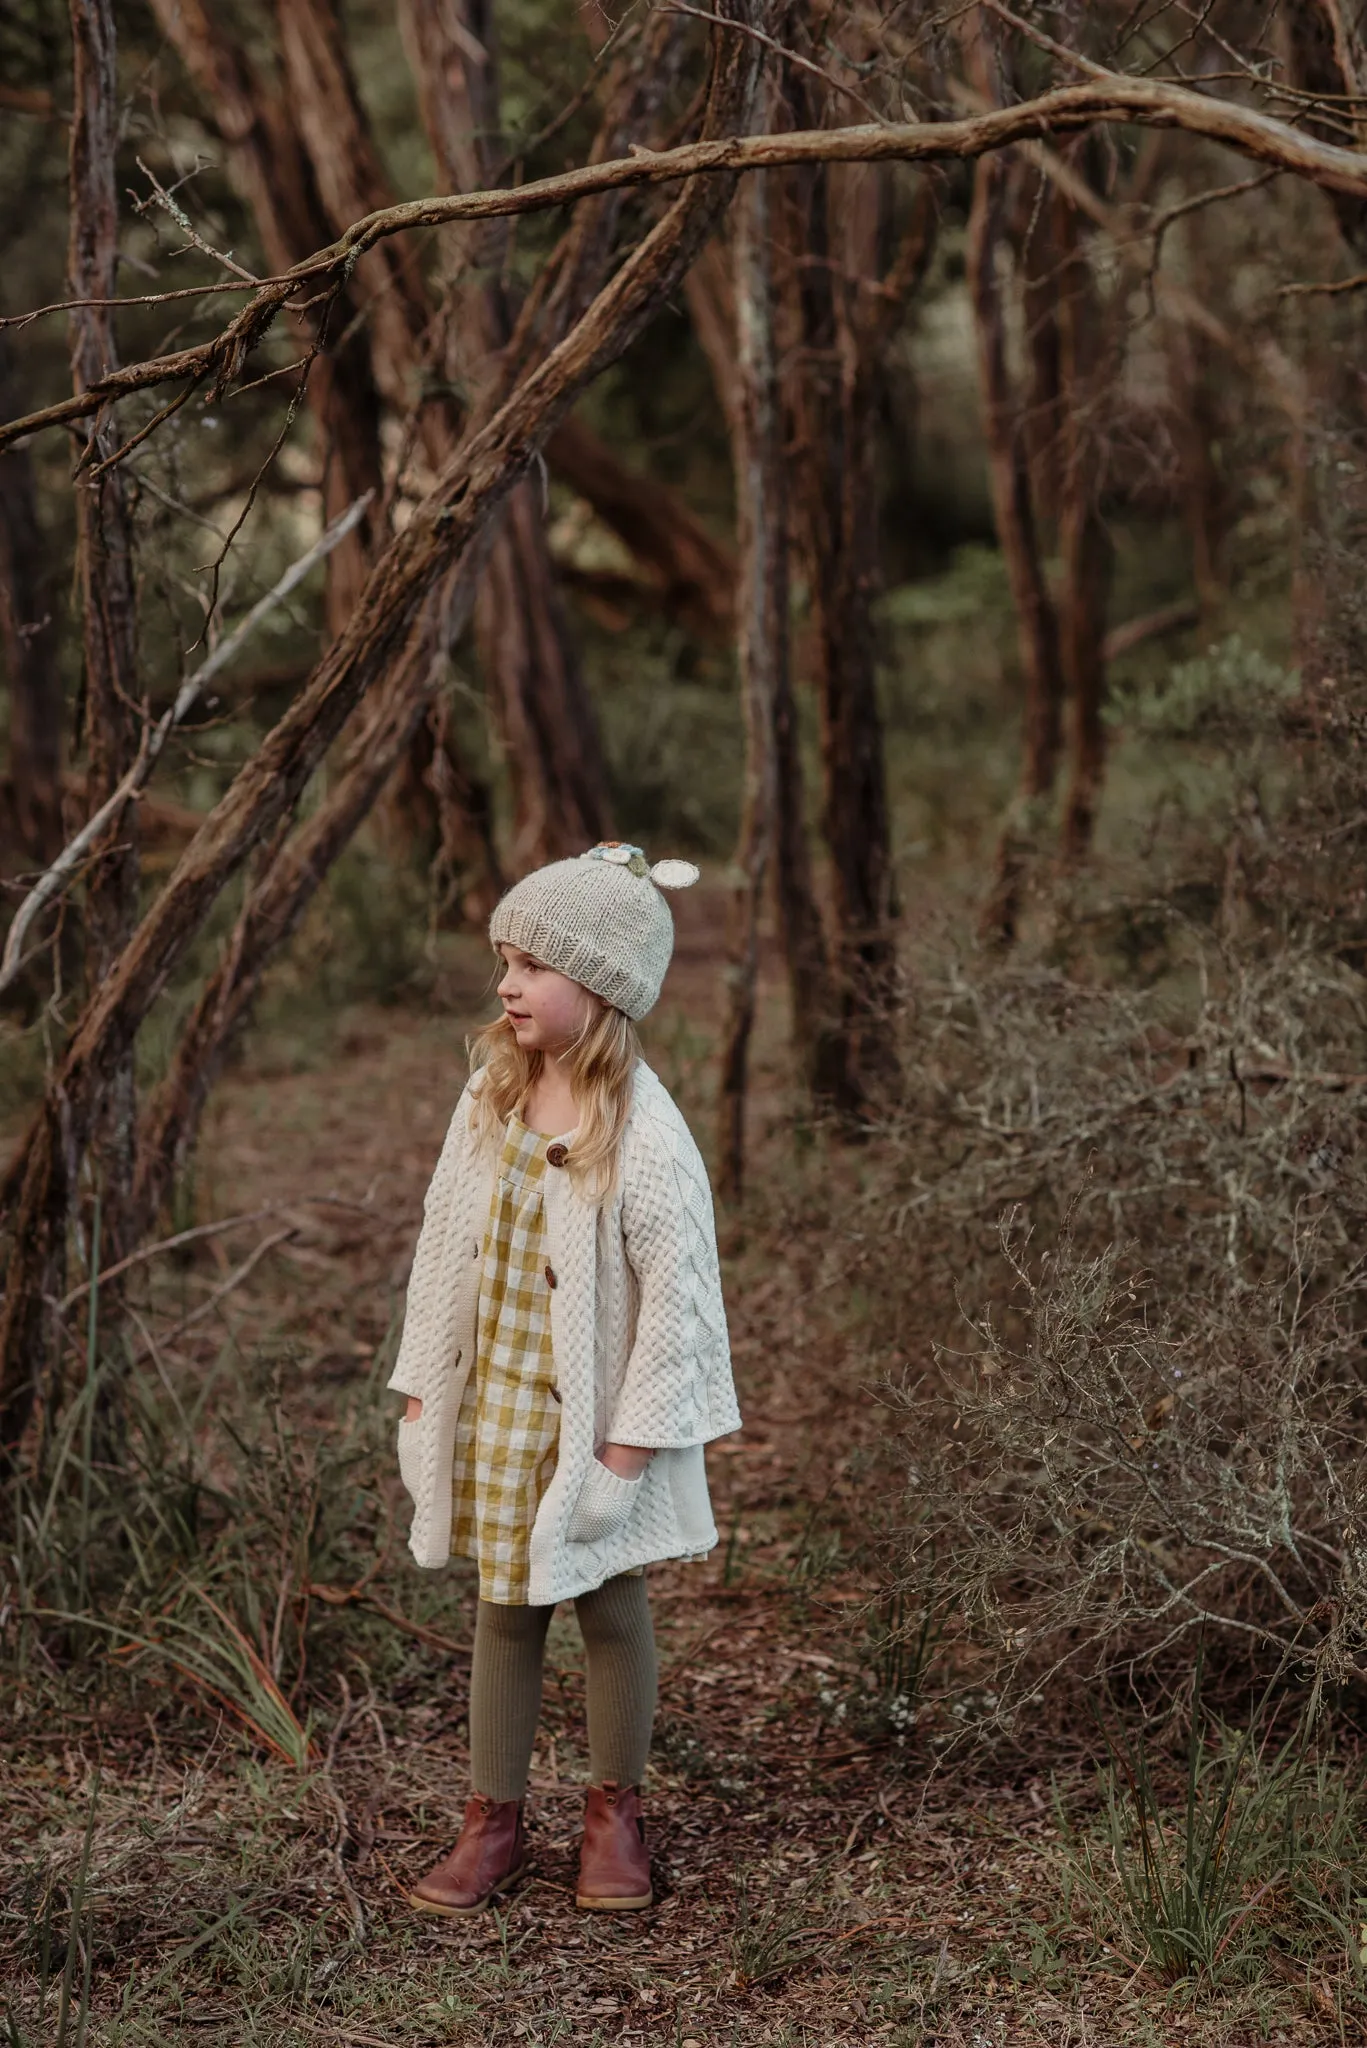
674,874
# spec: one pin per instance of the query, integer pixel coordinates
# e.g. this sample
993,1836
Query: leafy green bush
1226,694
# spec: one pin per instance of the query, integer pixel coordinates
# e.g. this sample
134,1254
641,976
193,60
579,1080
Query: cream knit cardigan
638,1333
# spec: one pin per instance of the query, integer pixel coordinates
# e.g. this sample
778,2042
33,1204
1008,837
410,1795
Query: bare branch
781,50
169,204
64,868
1106,98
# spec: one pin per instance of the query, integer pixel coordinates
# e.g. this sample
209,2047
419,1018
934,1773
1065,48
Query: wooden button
551,1280
556,1155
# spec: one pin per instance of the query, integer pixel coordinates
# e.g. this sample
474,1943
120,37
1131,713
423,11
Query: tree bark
544,713
817,1039
274,904
28,639
1037,626
271,170
292,191
1196,429
1328,57
558,772
843,309
762,653
352,182
1084,540
445,531
710,289
105,580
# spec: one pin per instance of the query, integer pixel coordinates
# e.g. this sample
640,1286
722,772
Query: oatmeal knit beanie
601,919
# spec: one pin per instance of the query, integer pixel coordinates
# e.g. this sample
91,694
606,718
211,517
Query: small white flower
620,856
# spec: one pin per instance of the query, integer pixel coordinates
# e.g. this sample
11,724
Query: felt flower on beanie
601,919
618,854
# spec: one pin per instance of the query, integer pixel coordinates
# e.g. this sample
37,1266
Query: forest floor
821,1879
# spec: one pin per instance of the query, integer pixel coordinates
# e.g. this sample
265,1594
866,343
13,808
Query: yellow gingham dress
509,1428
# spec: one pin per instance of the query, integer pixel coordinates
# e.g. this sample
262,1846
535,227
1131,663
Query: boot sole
587,1903
441,1912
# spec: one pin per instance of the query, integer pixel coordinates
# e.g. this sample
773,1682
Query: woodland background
932,499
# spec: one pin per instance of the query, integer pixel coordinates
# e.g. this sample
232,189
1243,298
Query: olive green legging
505,1687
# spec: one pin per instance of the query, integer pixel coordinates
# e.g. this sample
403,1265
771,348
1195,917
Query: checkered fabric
509,1429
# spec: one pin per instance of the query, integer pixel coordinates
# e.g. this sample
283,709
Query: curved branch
63,870
1107,97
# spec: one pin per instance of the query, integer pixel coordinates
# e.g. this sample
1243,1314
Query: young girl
565,1357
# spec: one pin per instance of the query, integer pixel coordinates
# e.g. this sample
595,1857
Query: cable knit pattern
639,1336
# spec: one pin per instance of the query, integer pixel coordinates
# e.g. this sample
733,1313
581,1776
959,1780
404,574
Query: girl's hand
413,1410
628,1461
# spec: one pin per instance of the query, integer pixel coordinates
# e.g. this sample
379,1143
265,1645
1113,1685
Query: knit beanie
600,919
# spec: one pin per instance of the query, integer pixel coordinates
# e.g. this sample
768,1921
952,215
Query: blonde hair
600,1064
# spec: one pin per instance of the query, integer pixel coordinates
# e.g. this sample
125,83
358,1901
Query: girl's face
547,1010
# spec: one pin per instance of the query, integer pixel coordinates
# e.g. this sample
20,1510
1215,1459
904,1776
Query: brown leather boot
614,1867
490,1857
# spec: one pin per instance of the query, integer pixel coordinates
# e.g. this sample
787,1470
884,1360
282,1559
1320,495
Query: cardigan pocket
408,1454
604,1505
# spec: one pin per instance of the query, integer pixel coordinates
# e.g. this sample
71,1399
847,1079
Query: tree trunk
352,182
1327,58
28,639
544,710
1196,429
292,201
834,387
104,577
710,289
275,902
1084,542
445,531
271,169
761,649
1036,620
817,1039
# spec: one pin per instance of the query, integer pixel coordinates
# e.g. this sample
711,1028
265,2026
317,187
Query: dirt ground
820,1882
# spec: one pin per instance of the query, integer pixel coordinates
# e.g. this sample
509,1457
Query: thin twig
64,868
144,433
169,1244
757,35
187,291
356,1596
1045,42
1326,291
203,1230
162,198
234,1279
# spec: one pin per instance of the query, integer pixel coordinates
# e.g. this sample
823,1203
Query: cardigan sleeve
412,1372
677,1388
